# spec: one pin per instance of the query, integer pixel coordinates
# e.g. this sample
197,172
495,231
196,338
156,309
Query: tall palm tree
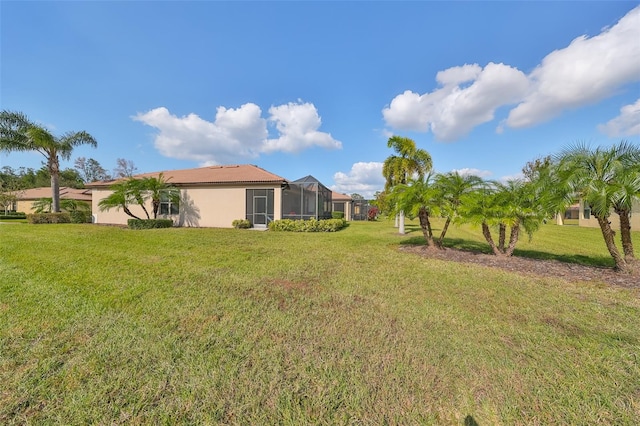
409,161
18,133
594,176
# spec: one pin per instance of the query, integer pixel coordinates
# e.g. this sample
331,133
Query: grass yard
105,325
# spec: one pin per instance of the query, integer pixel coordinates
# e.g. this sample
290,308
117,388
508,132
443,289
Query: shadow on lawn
481,247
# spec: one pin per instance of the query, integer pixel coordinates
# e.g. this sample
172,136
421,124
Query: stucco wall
592,222
215,207
25,206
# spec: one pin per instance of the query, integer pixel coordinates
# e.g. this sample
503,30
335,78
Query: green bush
37,218
311,225
149,223
13,215
337,215
241,224
78,216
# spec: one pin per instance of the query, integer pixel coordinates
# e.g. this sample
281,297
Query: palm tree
418,199
513,205
594,176
408,162
451,188
628,181
18,133
158,189
124,193
45,205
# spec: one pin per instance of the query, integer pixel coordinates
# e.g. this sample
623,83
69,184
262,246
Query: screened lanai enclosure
306,198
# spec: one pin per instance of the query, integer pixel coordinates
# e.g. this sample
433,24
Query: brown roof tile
244,173
337,196
65,193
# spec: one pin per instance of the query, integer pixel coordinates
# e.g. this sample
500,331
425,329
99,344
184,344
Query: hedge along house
209,197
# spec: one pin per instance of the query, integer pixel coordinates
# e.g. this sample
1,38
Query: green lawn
105,325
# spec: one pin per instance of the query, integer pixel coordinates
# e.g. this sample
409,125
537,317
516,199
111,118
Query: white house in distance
215,196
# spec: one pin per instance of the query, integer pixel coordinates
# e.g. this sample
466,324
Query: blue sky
317,88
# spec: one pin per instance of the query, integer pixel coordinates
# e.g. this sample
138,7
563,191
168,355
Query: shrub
311,225
337,215
241,224
78,216
149,223
372,214
37,218
13,215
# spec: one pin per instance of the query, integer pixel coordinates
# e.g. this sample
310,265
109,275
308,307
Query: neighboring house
26,197
215,196
582,213
342,203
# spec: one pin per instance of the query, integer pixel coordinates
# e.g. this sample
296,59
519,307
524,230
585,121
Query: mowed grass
104,325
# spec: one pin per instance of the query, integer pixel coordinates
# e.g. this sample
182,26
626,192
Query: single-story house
26,198
342,203
215,196
582,212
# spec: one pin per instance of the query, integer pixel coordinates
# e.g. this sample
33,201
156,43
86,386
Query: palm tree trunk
440,241
401,228
487,236
54,171
607,233
625,234
127,211
425,224
513,238
502,237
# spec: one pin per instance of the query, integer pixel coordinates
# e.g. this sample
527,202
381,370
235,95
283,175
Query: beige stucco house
26,197
212,196
342,203
582,213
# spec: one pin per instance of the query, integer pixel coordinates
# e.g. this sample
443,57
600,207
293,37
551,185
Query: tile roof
65,193
244,173
337,196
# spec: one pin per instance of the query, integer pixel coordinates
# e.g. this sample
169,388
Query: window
587,211
168,207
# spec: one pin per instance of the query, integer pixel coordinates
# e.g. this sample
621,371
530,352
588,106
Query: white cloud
586,71
626,124
363,178
453,111
236,134
473,172
298,125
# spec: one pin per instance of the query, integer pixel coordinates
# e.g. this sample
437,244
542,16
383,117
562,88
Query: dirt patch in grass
547,268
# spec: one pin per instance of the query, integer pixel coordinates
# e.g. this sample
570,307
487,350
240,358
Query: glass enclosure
306,198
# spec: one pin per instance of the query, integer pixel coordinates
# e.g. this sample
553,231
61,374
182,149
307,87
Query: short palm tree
594,175
124,193
18,133
418,198
158,189
451,188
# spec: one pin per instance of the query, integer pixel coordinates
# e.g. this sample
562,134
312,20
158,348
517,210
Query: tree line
20,134
605,179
